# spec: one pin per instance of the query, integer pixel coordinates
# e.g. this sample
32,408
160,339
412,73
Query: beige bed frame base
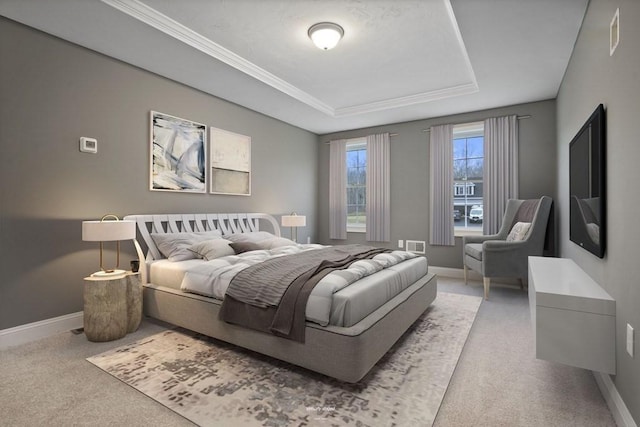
346,354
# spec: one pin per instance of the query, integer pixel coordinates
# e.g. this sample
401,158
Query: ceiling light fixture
326,35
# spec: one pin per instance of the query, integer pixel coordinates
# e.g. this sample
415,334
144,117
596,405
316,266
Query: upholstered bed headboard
229,223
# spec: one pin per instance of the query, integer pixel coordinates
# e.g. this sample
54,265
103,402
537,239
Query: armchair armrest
502,246
479,239
505,259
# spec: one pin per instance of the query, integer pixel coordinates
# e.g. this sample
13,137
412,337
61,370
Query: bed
345,347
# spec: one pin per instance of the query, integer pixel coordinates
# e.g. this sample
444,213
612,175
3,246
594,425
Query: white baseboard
618,409
33,331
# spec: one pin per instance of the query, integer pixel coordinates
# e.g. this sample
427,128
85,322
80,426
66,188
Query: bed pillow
240,247
212,249
175,246
276,242
253,236
519,231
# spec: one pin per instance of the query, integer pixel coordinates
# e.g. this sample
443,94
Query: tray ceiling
398,60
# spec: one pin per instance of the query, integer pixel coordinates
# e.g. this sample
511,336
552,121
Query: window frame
465,131
356,144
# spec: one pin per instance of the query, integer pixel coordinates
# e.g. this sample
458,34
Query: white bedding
341,298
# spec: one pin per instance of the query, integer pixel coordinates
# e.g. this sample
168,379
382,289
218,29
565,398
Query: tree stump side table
112,306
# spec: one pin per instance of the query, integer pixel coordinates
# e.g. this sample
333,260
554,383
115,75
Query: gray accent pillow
175,246
240,247
253,236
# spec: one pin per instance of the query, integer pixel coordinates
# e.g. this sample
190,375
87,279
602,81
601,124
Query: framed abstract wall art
230,163
178,154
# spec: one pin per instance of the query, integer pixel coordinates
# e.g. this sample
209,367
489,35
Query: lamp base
109,273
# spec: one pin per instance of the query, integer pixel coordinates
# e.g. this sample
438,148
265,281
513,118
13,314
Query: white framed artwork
178,154
230,163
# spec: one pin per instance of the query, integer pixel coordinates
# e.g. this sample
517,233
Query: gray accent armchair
493,256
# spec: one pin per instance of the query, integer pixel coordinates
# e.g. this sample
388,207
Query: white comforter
212,278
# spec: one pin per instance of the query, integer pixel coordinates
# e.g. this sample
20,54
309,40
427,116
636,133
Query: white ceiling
398,61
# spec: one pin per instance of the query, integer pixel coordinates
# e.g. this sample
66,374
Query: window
468,167
357,185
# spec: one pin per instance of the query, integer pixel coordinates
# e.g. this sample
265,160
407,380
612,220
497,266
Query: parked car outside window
475,215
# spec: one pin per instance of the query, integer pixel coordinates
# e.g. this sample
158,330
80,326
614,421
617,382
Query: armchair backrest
513,205
538,230
535,211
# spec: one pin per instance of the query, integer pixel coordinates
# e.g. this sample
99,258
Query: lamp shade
107,231
294,220
325,35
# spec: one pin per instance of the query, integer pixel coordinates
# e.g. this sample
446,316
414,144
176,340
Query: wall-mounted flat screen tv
587,208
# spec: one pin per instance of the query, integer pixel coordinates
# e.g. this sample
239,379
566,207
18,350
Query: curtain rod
391,134
527,116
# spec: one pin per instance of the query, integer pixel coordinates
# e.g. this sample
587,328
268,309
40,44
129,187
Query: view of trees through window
468,166
356,185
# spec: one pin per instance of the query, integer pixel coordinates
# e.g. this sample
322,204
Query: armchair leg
487,283
521,283
466,269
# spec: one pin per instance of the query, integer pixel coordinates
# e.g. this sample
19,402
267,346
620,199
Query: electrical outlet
630,340
401,244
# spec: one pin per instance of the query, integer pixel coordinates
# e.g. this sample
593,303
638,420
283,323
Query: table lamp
108,229
294,221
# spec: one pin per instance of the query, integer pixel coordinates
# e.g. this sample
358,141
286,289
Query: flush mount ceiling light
326,35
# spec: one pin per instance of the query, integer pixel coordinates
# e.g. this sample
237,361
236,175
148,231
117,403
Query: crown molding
461,45
163,23
405,101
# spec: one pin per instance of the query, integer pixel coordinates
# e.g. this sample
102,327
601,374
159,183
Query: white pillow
175,246
277,242
519,231
212,249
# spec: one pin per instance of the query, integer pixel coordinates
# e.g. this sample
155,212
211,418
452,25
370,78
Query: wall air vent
416,246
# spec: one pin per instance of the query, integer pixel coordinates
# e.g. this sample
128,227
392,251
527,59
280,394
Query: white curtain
338,189
378,188
441,183
500,177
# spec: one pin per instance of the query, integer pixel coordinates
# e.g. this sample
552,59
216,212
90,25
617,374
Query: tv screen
587,225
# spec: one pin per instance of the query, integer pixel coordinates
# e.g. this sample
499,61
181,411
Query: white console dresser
574,319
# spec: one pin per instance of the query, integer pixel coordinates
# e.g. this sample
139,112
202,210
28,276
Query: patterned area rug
216,384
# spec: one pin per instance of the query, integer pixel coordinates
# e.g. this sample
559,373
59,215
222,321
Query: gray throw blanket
272,296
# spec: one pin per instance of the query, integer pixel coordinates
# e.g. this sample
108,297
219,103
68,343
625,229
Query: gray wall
52,93
593,77
410,173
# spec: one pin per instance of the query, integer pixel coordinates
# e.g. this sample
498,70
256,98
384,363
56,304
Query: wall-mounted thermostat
88,145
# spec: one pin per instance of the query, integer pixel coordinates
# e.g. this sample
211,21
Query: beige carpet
212,383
